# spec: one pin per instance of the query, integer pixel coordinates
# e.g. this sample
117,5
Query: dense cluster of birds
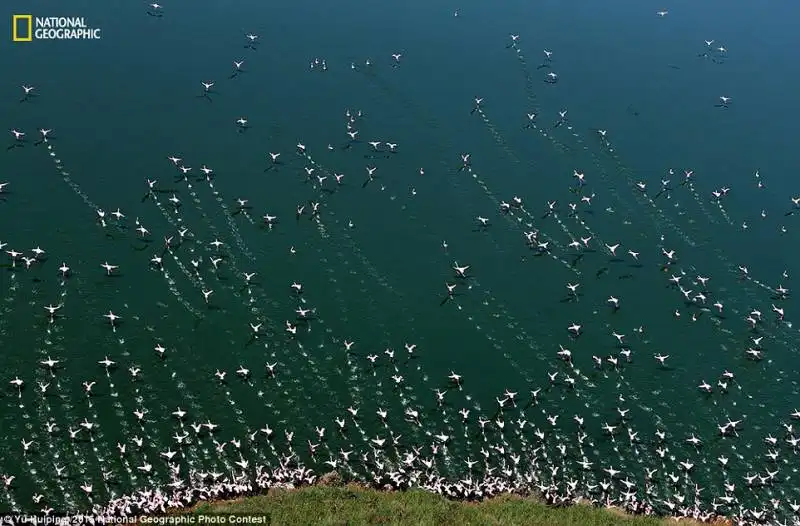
377,408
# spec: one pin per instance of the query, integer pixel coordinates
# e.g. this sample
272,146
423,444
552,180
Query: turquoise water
374,261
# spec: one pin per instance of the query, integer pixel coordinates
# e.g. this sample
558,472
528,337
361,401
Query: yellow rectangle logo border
15,20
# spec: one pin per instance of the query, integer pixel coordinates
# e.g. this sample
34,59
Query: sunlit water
634,95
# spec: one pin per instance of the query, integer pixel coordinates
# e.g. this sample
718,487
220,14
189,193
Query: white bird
109,268
105,362
18,383
461,271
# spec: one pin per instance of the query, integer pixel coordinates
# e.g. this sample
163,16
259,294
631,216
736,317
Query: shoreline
333,501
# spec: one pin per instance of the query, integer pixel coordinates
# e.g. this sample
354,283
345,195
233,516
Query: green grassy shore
354,505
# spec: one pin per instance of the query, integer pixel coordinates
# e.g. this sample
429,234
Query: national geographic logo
27,28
